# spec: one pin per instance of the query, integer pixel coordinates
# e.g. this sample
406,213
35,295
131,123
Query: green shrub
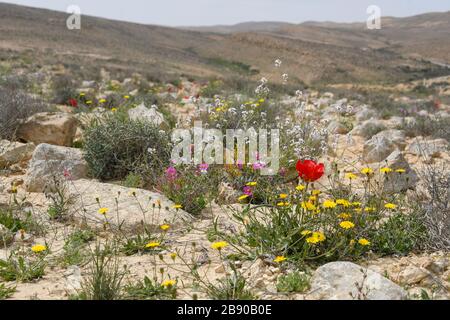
293,282
400,234
116,146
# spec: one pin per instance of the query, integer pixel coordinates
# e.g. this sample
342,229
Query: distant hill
404,49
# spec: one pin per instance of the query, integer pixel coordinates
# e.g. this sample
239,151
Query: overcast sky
212,12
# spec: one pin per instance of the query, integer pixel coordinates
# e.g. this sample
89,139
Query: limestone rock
412,275
340,281
143,113
368,128
14,152
428,148
52,162
133,205
399,181
397,137
377,149
46,127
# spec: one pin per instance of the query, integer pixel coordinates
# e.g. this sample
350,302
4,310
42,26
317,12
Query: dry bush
15,106
436,211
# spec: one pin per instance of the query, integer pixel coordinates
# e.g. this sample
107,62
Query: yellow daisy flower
350,176
367,171
300,187
165,227
152,244
279,259
390,206
168,283
38,248
329,204
385,170
219,245
103,211
364,242
347,225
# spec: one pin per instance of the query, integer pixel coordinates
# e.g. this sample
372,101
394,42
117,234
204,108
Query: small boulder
51,162
397,137
368,128
141,112
14,152
377,149
342,280
133,206
47,127
398,182
428,148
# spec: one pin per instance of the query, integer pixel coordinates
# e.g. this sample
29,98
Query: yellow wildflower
251,184
385,170
316,192
279,259
244,196
300,187
177,206
345,216
165,227
306,233
102,100
219,245
370,209
400,170
114,110
38,248
283,204
351,176
283,196
308,206
356,204
126,97
168,283
390,206
343,202
330,204
152,244
316,238
364,242
367,171
347,225
103,211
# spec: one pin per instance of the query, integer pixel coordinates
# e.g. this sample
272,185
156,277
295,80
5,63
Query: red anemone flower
309,170
73,103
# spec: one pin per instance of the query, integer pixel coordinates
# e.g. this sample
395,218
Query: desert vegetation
94,207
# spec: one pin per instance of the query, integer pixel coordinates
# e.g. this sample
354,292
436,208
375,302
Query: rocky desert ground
92,207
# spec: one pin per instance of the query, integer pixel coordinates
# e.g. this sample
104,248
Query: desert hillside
315,52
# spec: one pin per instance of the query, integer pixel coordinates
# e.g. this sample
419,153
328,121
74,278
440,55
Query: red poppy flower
73,103
310,170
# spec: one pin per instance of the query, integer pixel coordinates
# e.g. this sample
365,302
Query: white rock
368,128
399,182
377,149
50,162
339,281
428,148
395,136
129,211
141,112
